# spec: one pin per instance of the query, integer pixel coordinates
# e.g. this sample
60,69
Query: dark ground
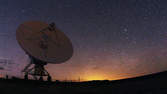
150,84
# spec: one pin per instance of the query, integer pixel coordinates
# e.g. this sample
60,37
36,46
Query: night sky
112,39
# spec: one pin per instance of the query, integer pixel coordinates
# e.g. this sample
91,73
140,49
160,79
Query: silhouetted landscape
150,84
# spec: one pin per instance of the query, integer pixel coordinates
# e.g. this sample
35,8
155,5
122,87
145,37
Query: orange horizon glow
96,76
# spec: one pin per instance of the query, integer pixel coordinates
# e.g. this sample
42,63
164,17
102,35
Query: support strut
36,69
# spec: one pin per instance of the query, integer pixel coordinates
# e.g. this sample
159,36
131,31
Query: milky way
113,39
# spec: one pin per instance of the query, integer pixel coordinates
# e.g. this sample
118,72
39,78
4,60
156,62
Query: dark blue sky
112,39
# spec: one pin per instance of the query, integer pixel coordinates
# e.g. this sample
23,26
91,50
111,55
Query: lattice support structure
36,69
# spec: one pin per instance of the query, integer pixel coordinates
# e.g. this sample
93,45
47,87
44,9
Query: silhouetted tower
79,79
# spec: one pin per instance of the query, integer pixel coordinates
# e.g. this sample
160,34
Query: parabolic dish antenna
44,42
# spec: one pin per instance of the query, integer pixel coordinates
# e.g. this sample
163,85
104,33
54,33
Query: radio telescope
44,44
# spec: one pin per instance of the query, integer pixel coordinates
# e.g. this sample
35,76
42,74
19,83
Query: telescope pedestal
37,70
